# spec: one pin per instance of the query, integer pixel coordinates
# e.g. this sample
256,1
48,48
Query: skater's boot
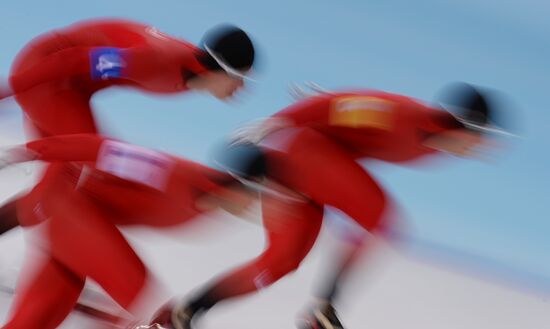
321,316
174,316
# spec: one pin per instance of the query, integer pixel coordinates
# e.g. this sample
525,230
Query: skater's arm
305,113
15,155
80,147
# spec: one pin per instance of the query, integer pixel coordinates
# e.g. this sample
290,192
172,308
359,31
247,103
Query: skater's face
220,84
459,142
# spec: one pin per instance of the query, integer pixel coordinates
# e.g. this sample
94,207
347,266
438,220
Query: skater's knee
126,285
134,285
276,267
288,266
371,215
270,274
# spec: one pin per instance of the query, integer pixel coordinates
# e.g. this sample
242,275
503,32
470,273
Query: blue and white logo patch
106,63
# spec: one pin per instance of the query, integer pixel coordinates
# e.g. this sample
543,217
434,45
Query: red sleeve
80,147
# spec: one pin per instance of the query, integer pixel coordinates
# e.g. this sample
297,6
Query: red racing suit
53,79
120,184
56,74
316,155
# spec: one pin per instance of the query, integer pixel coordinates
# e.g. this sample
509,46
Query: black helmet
242,160
228,48
477,109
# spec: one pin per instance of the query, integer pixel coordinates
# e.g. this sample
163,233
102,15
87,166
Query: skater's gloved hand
255,131
14,155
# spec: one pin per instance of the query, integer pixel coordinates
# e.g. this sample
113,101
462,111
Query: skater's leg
316,166
47,299
348,256
84,239
291,229
8,216
30,206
